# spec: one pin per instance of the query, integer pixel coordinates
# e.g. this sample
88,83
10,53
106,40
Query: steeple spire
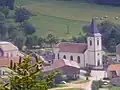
93,30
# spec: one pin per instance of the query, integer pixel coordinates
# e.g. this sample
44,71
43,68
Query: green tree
95,85
51,40
30,77
34,40
28,28
21,15
41,42
5,11
19,41
111,45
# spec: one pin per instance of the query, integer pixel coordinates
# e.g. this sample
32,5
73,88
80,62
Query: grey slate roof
93,30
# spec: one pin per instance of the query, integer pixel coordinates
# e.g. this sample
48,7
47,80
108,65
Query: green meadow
55,16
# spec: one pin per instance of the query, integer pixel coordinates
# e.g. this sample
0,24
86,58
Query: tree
7,4
19,42
28,42
95,85
22,14
30,77
11,31
51,40
111,45
34,40
5,11
2,18
41,42
29,29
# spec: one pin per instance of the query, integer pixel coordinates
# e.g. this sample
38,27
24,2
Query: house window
98,42
11,55
64,57
90,42
114,74
7,55
71,57
78,59
98,54
98,63
58,56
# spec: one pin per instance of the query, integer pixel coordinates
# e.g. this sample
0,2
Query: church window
71,57
97,42
90,42
78,59
64,57
58,56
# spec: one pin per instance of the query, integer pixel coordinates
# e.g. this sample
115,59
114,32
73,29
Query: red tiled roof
72,47
114,67
61,63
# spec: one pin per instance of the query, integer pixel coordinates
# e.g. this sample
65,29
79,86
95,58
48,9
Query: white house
8,53
89,53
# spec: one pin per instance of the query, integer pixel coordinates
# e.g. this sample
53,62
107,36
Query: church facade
84,54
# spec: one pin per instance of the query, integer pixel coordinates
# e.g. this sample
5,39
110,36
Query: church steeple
93,30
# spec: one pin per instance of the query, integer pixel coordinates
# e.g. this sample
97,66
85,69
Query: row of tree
7,4
21,32
106,2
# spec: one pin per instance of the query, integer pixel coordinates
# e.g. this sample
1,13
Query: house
9,53
118,53
65,67
84,54
113,71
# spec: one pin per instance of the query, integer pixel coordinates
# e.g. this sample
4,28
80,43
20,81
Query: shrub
95,85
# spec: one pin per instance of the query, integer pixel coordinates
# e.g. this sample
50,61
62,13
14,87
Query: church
84,54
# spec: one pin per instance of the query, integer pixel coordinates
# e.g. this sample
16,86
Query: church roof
72,47
93,30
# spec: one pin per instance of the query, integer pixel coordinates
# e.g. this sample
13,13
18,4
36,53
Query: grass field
71,89
55,16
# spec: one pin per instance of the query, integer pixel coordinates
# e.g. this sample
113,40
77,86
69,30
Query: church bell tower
94,42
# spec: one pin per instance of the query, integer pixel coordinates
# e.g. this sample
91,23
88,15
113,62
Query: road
95,75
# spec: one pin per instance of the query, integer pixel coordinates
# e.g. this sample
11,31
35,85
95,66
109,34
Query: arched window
97,41
58,56
78,59
90,42
64,57
71,57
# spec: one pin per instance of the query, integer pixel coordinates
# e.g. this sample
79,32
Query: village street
95,75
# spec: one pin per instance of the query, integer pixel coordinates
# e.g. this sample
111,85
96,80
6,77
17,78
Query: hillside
55,16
